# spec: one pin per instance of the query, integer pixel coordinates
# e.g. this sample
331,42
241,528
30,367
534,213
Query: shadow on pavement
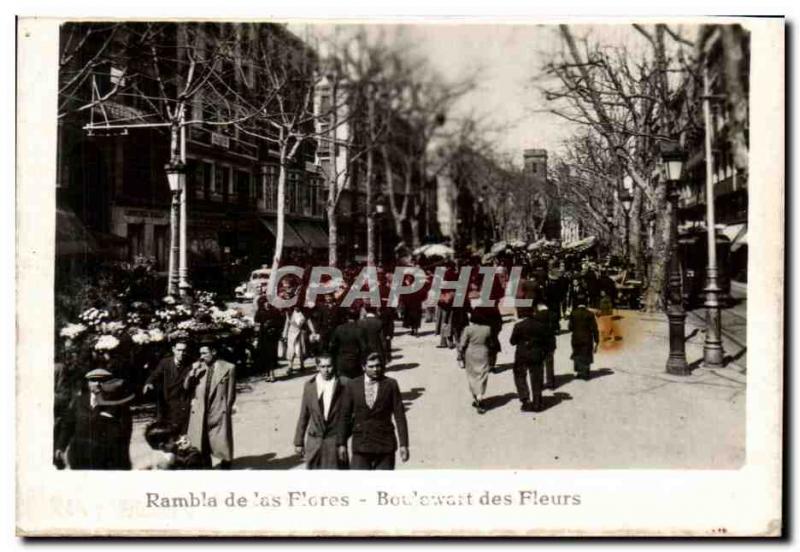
411,395
550,401
490,403
500,368
733,358
266,462
305,371
401,367
692,334
562,379
594,374
425,333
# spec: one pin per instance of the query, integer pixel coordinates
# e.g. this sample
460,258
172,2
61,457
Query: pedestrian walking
212,383
585,337
296,335
270,323
348,347
373,333
374,401
321,434
473,356
96,429
534,339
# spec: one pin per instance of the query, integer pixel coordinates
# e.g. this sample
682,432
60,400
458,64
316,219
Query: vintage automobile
255,285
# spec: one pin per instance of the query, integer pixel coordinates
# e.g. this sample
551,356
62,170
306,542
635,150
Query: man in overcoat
373,333
348,347
534,339
321,434
172,399
374,400
97,427
585,337
212,384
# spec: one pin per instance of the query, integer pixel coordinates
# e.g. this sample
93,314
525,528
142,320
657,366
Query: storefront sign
220,140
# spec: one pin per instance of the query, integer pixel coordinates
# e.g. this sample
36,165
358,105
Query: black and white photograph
420,247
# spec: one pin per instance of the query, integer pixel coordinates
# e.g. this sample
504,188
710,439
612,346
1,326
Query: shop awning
290,237
311,233
72,237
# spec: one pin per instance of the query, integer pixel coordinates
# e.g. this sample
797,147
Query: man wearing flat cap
212,385
97,427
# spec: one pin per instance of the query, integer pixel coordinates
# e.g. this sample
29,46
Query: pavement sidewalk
631,414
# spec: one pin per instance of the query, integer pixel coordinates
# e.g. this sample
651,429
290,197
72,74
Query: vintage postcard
400,278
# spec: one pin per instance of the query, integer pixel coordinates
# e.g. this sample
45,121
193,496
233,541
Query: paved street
630,415
733,320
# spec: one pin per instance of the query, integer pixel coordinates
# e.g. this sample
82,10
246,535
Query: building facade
116,185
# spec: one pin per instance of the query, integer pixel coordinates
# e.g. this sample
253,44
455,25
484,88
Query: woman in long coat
585,337
270,325
295,335
473,354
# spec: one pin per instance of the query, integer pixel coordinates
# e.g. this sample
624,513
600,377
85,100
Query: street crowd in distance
351,414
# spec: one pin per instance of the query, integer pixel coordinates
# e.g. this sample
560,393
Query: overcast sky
508,57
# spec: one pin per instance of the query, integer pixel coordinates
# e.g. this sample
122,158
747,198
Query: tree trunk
370,214
415,239
635,230
333,234
659,259
281,212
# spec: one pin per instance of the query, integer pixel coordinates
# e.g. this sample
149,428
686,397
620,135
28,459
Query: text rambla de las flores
304,499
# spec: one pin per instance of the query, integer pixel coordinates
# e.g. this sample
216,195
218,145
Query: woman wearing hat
97,428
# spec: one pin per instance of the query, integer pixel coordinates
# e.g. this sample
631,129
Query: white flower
106,343
156,335
186,325
169,300
112,327
71,331
140,337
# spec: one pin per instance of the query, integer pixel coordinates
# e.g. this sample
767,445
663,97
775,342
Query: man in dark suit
172,399
373,333
321,434
585,337
349,347
97,427
373,400
534,339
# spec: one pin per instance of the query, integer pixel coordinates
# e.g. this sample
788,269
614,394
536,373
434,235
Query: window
243,187
292,203
222,181
207,173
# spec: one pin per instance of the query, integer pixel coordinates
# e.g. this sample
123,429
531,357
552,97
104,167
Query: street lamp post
713,354
672,159
626,199
174,172
380,209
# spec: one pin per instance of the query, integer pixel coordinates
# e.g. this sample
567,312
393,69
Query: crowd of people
349,400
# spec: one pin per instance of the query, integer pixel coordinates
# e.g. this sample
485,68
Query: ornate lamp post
175,173
713,354
626,199
380,210
672,160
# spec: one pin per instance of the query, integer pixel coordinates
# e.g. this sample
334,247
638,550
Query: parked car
255,285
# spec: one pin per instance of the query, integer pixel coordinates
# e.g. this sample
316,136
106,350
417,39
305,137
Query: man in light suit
321,434
374,400
212,383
